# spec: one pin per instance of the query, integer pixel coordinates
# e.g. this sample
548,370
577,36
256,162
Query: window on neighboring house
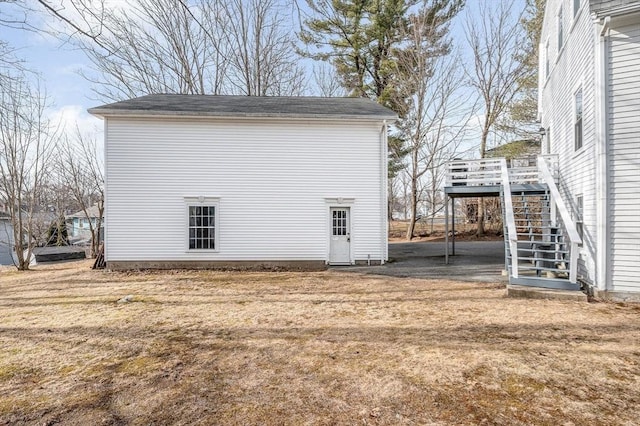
546,60
547,140
576,7
202,227
560,30
578,120
579,215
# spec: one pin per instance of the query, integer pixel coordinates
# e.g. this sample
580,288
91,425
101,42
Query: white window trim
578,88
201,201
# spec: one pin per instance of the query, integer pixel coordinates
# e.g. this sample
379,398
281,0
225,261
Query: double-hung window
547,140
560,29
580,215
203,226
577,122
547,68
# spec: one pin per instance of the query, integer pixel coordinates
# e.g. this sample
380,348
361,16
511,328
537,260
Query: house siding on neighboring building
272,181
624,154
572,69
601,58
6,242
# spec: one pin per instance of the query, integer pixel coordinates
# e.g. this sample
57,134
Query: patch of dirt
214,347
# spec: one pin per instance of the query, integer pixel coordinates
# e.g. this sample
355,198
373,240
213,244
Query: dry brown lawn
205,347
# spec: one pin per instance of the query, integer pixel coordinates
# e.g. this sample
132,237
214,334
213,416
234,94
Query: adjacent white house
204,181
6,240
589,105
78,223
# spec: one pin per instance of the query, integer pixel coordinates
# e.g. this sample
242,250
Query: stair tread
544,251
542,268
541,259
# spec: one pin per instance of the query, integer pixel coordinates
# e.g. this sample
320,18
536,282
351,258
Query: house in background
589,105
6,239
78,223
205,181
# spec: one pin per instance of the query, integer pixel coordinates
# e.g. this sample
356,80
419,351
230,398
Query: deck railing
488,171
482,172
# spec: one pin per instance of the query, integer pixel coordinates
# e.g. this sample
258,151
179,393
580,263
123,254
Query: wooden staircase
542,244
543,256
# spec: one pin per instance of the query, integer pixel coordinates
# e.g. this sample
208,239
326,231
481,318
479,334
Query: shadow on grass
433,336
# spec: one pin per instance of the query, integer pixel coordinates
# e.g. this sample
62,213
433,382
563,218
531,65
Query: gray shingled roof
606,7
248,106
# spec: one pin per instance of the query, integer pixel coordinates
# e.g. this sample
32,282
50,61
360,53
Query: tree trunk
414,208
480,230
483,153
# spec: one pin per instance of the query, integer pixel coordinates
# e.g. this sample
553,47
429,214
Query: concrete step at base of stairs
528,292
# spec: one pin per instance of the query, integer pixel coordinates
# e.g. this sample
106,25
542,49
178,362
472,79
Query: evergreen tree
367,42
57,235
363,40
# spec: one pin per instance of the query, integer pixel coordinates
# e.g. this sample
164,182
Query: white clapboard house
589,107
204,181
6,239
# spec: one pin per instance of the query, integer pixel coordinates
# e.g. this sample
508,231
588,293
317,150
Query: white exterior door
340,245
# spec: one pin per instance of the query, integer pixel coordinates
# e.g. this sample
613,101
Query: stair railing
574,238
509,217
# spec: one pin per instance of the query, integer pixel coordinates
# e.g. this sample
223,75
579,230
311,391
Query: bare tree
327,82
495,37
436,121
26,144
261,55
152,46
81,172
174,46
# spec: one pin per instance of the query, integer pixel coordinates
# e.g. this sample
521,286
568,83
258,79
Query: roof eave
106,112
617,10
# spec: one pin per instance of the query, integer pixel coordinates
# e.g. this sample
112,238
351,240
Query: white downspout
601,141
105,213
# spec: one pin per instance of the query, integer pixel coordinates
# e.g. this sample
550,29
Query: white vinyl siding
624,157
576,68
573,71
272,179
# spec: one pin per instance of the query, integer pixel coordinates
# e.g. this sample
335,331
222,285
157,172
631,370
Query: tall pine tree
363,39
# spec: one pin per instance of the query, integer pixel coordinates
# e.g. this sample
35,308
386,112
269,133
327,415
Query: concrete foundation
617,296
252,265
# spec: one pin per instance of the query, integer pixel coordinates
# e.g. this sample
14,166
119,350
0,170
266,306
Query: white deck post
446,229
